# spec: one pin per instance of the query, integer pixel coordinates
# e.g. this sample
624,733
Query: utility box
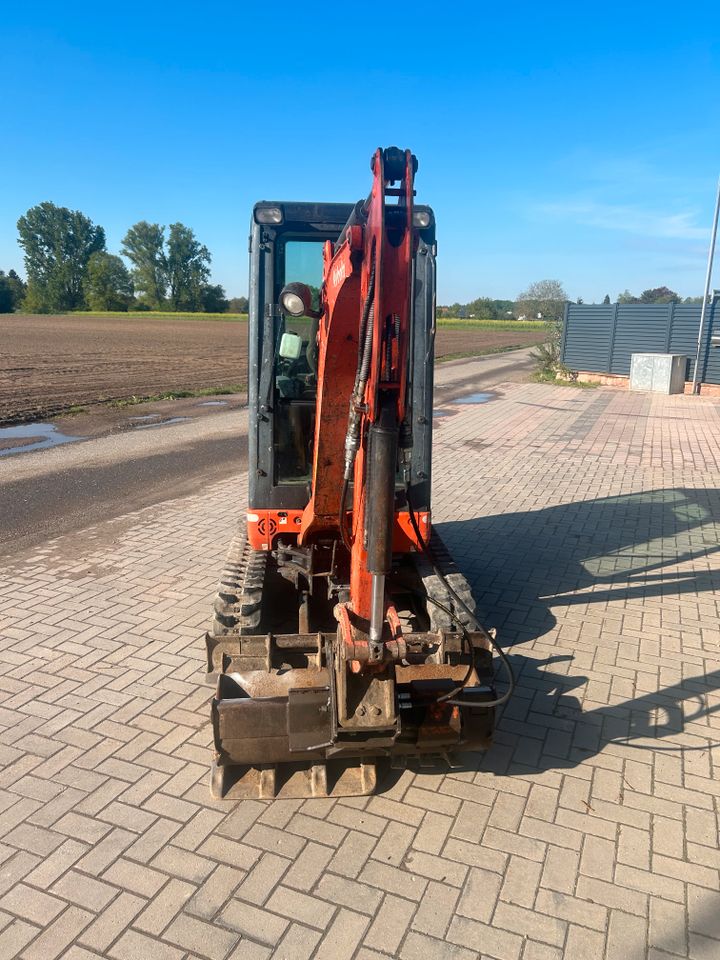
658,372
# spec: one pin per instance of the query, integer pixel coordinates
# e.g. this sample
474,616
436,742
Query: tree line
68,267
542,298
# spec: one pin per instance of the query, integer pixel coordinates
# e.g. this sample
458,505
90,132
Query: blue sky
564,140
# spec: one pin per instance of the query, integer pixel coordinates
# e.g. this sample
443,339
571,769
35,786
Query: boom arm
363,348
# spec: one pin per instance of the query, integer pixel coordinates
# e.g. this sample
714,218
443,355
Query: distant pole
706,294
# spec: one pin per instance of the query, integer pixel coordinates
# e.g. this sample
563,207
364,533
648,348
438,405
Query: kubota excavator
344,636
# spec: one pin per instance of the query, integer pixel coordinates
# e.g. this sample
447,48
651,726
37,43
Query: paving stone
297,944
668,924
309,867
133,945
253,923
584,944
84,891
33,905
350,893
392,880
58,936
112,921
205,939
521,882
263,878
479,895
164,906
594,519
598,858
299,906
486,940
182,863
134,877
212,894
435,910
341,940
15,936
626,936
390,924
518,920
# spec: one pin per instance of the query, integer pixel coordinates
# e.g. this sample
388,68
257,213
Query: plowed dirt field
51,363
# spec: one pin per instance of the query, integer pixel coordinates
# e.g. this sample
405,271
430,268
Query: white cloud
626,218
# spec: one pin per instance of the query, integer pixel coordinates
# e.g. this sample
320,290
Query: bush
547,355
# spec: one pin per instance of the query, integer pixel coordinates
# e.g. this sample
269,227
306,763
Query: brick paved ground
587,522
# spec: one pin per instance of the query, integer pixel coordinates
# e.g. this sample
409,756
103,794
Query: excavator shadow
531,571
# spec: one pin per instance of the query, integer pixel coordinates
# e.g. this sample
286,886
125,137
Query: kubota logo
338,274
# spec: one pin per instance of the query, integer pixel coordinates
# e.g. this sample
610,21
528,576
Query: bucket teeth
331,778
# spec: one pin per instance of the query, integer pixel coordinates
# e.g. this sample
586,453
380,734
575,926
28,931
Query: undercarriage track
240,605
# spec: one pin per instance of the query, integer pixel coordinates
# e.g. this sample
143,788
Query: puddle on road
213,403
31,436
146,416
161,423
442,413
475,398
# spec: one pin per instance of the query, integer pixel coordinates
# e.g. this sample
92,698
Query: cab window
295,368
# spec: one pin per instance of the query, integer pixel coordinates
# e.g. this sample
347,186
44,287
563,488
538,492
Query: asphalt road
46,493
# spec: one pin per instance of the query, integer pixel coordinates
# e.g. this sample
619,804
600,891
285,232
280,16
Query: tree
214,299
108,284
627,297
143,245
653,295
606,298
58,244
659,295
6,294
238,305
12,291
188,268
544,299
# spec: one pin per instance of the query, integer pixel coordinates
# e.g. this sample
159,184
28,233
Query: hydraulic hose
352,438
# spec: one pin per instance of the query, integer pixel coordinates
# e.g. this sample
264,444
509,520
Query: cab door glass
295,368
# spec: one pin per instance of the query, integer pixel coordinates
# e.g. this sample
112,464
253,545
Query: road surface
46,493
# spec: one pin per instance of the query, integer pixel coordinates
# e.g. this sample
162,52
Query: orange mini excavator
344,637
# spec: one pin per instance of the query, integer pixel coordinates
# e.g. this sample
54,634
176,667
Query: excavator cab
286,246
343,636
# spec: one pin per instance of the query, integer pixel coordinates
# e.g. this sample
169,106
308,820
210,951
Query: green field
458,323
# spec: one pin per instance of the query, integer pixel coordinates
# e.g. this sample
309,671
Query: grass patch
457,323
75,410
481,352
178,395
541,377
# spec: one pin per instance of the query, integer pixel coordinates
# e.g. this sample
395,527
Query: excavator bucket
282,729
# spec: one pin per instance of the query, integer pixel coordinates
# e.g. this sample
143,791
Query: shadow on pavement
521,565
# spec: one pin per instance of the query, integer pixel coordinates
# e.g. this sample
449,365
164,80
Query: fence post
563,336
707,336
612,337
668,332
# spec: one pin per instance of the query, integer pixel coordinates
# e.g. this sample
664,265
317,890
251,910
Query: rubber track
436,589
238,602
